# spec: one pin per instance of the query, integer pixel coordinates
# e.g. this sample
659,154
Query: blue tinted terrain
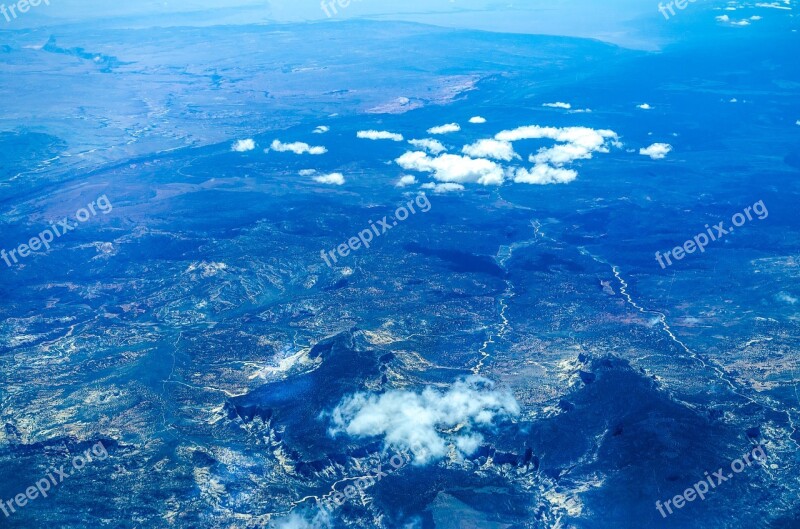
385,274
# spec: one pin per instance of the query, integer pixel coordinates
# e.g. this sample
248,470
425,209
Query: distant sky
633,23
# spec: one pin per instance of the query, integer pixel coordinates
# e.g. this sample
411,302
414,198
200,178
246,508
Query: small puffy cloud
429,424
562,154
727,20
297,148
432,146
644,106
543,174
477,120
379,135
335,179
797,122
453,168
322,129
498,150
445,129
243,145
406,180
307,172
787,298
656,151
558,104
447,187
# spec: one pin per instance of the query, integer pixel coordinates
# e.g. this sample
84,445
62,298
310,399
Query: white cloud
322,129
453,168
558,104
561,154
543,174
578,143
774,5
582,135
297,148
243,145
331,179
447,187
726,19
572,144
656,151
307,172
477,120
432,146
379,135
429,424
788,298
406,180
445,129
797,122
499,150
644,106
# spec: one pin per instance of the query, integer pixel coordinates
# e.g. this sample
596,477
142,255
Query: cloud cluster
453,168
379,135
481,160
429,424
243,145
297,148
656,151
445,129
572,144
